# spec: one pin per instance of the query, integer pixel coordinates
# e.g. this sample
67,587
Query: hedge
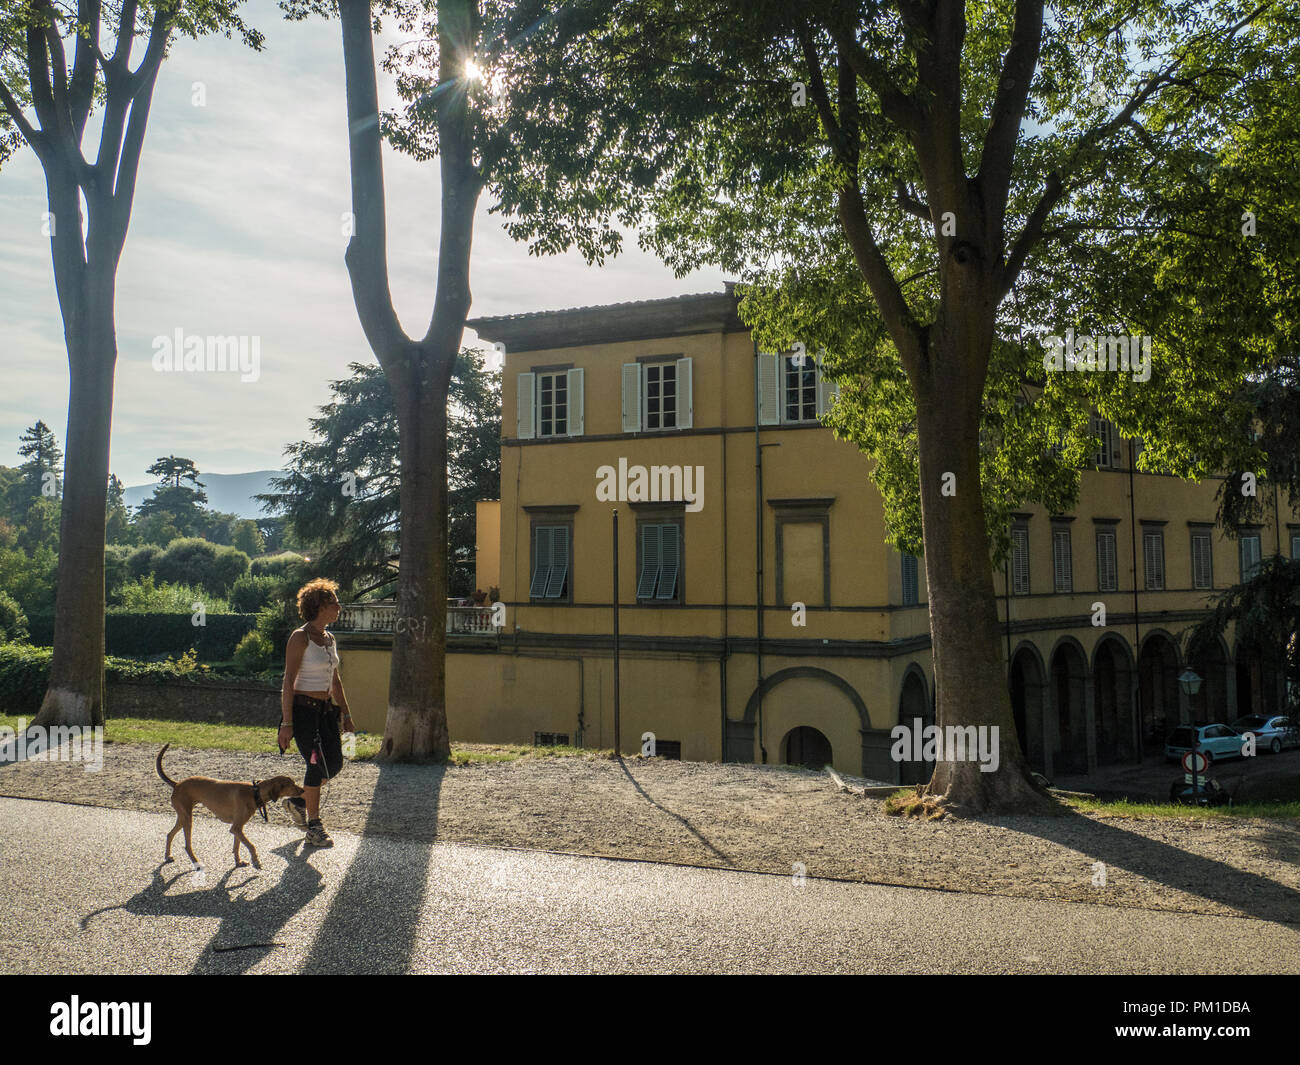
25,674
142,634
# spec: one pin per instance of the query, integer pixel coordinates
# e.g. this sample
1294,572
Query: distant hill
230,493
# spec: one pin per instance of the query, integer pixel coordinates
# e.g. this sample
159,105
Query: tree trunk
416,727
75,692
970,678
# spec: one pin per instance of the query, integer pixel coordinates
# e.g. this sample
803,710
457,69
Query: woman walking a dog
313,704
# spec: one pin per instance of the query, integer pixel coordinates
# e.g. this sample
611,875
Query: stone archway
1158,669
914,704
1112,674
1068,688
807,747
1027,683
805,696
1215,701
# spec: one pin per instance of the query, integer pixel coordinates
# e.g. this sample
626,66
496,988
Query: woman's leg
312,797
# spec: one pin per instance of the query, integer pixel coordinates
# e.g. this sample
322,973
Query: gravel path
763,818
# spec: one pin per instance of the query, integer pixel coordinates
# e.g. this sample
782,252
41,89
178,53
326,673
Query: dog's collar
259,802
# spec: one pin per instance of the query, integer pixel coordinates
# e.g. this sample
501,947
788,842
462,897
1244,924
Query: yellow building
785,631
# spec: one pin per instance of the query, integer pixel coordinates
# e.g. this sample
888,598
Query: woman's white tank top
316,674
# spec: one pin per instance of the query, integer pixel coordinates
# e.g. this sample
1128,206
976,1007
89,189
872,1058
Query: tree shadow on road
374,918
1216,881
689,827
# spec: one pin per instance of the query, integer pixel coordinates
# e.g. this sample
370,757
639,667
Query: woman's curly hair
315,594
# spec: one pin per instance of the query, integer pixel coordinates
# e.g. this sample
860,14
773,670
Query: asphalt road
82,891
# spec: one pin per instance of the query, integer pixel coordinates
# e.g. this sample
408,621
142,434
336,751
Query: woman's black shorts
316,732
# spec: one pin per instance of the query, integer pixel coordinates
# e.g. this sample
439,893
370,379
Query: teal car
1216,742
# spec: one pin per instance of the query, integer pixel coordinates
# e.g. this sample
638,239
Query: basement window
550,739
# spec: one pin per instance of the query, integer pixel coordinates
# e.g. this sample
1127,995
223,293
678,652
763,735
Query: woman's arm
337,693
293,653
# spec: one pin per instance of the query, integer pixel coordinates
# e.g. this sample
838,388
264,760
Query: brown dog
231,801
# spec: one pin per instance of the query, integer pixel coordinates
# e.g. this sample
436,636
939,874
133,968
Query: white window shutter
769,390
685,395
631,397
575,402
827,390
525,428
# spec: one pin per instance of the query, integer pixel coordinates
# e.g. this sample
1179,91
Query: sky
238,230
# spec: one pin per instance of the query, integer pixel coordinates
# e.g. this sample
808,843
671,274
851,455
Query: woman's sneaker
297,811
317,836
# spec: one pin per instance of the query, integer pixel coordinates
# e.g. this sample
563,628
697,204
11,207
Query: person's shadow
249,923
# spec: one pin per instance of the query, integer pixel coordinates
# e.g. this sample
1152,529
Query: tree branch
1018,66
15,112
82,93
367,254
909,203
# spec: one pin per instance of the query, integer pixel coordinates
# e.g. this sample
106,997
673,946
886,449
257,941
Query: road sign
1202,763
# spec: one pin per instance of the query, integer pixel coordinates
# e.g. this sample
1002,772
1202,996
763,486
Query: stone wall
229,703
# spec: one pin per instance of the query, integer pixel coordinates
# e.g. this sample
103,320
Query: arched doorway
1112,686
913,706
1158,691
1210,704
1257,683
1027,683
1069,674
807,747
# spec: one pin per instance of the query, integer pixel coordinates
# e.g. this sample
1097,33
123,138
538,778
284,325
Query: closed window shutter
827,390
645,588
1154,560
769,390
559,562
575,401
542,561
1019,561
1202,574
685,395
1295,546
1249,556
631,397
1107,574
670,554
910,591
524,428
1062,568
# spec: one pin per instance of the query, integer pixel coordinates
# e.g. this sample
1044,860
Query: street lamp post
1191,684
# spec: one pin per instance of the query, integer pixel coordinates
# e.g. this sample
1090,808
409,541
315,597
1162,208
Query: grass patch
1124,808
910,802
155,732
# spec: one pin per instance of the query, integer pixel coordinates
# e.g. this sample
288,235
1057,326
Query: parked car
1271,733
1216,742
1208,792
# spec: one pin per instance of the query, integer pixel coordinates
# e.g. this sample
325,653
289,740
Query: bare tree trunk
970,677
419,372
75,692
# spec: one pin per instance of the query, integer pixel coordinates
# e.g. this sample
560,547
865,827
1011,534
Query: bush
116,569
30,579
276,622
285,565
25,674
13,622
147,597
142,634
141,561
249,594
254,653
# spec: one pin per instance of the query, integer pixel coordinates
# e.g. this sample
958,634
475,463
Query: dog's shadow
249,923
